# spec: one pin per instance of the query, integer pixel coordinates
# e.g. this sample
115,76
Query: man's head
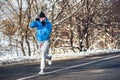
42,16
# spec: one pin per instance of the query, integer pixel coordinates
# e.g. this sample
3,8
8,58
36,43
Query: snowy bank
87,53
11,59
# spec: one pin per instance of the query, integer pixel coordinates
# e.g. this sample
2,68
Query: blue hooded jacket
42,32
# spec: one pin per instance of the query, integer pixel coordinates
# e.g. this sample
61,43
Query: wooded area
78,25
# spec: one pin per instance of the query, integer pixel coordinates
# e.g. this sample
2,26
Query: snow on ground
87,53
10,59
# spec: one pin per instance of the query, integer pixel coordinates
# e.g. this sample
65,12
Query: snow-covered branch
73,12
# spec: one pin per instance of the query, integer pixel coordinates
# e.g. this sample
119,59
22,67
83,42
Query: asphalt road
102,67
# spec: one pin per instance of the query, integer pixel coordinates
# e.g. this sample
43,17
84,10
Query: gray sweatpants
44,51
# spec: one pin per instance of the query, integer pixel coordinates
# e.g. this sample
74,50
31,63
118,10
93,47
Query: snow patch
9,59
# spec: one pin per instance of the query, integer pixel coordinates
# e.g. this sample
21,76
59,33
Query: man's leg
43,60
42,65
48,57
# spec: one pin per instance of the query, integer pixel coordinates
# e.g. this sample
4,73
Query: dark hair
41,15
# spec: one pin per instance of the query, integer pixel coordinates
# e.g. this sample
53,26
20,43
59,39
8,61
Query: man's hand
37,19
43,23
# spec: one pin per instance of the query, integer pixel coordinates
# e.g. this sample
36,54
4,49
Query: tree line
78,25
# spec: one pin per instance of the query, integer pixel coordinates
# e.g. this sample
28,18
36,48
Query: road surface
102,67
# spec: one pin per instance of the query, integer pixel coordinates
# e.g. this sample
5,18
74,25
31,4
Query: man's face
42,19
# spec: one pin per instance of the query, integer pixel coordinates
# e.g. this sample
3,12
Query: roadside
36,59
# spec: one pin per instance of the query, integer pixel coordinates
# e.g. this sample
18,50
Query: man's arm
48,29
33,24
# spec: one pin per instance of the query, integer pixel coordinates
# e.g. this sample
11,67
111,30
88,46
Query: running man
43,30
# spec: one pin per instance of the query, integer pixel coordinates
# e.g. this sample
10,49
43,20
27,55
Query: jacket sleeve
33,24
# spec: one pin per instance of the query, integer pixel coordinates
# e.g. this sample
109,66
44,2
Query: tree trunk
71,39
22,46
28,44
